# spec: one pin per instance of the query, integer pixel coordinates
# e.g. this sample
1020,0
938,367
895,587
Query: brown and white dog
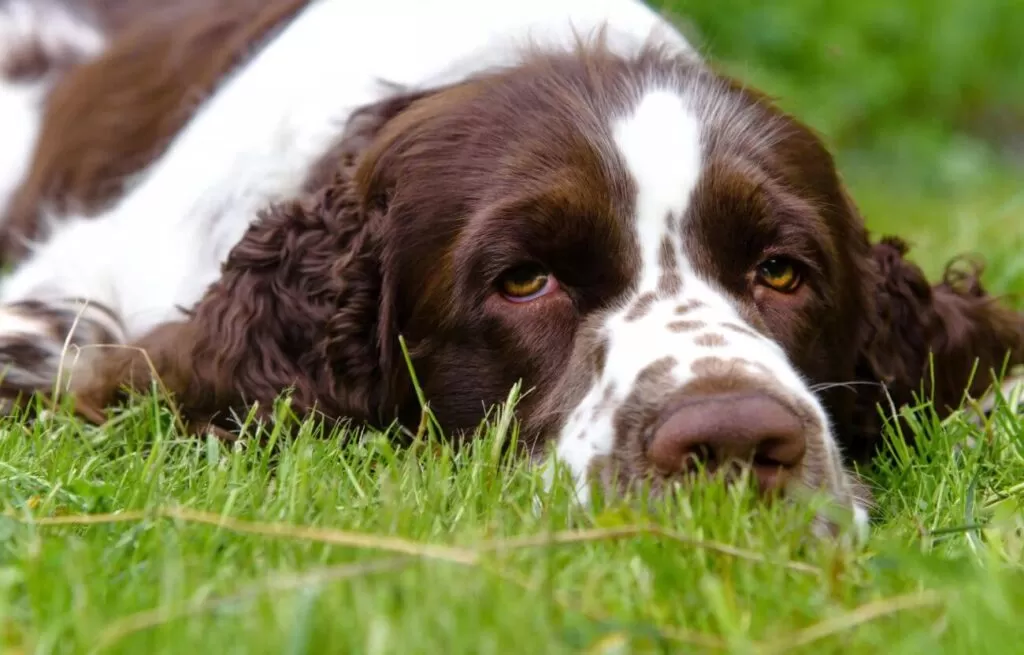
558,192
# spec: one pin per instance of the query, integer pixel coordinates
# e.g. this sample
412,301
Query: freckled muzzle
715,396
731,415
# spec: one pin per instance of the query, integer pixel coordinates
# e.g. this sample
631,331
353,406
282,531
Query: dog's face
666,262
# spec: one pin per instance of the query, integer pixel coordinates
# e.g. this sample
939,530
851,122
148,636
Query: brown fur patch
656,370
25,352
111,116
27,63
671,223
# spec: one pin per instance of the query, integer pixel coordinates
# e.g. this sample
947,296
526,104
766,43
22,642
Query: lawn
133,539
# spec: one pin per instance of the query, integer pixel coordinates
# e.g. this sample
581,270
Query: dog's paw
42,344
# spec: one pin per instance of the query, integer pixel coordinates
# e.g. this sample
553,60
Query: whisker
823,386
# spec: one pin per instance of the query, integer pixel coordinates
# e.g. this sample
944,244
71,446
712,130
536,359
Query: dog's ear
301,305
296,308
934,342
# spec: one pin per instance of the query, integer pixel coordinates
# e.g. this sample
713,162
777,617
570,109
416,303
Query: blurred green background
922,101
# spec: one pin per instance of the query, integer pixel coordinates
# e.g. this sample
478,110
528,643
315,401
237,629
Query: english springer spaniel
558,192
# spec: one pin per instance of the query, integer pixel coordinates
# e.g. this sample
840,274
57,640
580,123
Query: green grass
337,543
932,90
984,220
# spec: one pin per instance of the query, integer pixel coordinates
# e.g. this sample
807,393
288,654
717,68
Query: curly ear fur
931,342
296,308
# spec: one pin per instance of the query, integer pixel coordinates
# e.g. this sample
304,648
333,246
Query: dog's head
667,262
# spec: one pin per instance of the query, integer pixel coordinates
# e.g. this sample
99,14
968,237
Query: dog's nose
717,429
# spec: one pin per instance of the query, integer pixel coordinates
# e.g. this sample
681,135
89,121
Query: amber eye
780,274
525,283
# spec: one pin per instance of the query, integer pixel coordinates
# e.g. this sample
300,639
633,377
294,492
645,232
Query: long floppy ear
296,308
301,305
934,342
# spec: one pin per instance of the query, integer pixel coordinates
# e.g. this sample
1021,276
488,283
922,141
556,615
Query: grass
131,538
983,219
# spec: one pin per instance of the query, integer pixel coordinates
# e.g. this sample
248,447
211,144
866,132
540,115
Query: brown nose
714,430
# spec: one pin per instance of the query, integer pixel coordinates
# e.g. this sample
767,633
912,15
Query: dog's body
413,168
42,41
255,140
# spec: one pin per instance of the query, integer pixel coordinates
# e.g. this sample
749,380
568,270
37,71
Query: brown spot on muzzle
641,306
25,63
685,326
710,340
688,306
671,223
670,282
731,368
782,447
27,350
70,315
627,464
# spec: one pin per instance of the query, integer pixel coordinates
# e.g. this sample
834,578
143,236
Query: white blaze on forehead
660,144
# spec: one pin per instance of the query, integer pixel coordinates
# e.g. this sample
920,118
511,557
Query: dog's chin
841,515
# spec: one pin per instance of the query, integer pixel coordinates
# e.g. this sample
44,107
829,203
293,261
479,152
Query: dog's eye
779,274
525,283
